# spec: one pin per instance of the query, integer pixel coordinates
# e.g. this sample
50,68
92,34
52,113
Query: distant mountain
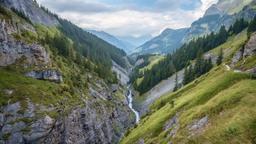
124,45
168,41
225,12
137,41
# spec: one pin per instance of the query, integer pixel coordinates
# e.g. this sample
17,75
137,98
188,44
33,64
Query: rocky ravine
95,122
101,118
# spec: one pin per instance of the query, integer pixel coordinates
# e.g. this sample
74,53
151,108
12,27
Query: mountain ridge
168,41
124,45
223,13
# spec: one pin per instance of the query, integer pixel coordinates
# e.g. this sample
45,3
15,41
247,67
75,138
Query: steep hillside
168,41
32,10
218,107
56,83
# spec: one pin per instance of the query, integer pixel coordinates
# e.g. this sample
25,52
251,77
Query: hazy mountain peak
168,41
124,45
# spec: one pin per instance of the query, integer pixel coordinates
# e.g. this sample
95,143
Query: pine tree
186,76
220,57
176,87
223,35
252,26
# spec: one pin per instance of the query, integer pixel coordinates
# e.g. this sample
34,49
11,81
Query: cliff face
223,13
31,9
98,120
46,98
12,49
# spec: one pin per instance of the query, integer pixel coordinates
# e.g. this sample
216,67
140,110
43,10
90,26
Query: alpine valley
64,84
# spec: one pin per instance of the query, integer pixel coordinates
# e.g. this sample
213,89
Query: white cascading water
130,99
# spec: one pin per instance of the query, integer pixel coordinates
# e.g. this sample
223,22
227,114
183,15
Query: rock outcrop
91,125
32,10
98,121
90,113
250,47
248,50
50,75
198,125
14,51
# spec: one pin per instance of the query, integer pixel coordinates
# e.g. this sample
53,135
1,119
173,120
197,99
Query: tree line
182,57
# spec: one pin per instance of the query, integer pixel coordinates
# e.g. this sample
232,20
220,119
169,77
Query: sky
126,18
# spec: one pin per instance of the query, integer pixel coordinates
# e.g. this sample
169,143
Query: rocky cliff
31,9
12,49
223,13
47,98
97,120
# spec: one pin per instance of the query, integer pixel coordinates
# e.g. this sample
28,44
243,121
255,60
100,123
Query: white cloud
131,22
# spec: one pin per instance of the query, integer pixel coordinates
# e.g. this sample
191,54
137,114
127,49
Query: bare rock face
248,50
97,121
237,57
198,125
50,75
91,125
32,10
12,50
250,47
173,124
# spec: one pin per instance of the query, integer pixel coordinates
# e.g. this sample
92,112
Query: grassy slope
233,44
223,96
152,61
239,7
67,95
227,98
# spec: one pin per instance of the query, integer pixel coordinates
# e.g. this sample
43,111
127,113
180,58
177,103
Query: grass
232,45
218,93
153,60
247,63
26,88
239,7
6,136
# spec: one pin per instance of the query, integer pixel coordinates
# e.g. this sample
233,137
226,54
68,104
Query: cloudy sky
129,17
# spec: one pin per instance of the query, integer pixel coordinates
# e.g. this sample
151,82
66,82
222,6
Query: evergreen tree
176,87
252,26
185,54
223,35
220,57
238,26
186,76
